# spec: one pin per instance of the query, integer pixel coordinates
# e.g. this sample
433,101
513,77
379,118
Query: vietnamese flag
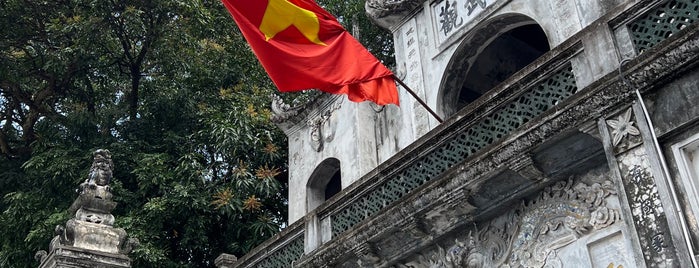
302,46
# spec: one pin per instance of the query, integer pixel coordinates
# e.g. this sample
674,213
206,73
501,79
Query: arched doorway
325,182
488,56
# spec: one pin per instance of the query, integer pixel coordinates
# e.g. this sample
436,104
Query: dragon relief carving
282,111
530,235
386,13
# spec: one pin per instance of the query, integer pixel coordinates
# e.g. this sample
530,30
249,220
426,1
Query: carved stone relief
622,129
646,207
387,12
532,234
319,131
282,111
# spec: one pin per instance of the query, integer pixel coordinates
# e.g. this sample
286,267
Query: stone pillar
89,239
647,202
225,261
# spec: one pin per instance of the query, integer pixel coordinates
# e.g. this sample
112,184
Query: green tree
172,90
351,14
175,93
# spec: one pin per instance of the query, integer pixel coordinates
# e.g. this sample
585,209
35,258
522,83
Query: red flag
302,46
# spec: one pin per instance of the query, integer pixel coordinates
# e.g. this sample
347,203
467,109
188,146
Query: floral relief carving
530,235
622,126
603,217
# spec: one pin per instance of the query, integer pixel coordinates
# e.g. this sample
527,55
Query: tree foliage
351,14
174,92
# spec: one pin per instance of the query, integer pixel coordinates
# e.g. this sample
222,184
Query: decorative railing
662,22
285,256
279,251
484,132
534,93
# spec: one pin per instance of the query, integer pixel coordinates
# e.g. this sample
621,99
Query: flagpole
407,88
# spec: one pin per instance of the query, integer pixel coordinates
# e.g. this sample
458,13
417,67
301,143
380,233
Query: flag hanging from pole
302,46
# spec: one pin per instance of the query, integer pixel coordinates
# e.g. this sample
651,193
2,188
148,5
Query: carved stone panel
452,15
559,227
414,77
630,157
608,251
624,131
647,209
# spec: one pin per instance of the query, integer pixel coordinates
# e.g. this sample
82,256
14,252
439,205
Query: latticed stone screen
662,22
285,256
493,127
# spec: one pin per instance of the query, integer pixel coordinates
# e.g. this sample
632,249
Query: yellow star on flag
281,14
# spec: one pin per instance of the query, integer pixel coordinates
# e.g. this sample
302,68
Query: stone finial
95,201
101,169
90,231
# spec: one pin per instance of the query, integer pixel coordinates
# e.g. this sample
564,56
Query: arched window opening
506,55
334,185
491,54
325,182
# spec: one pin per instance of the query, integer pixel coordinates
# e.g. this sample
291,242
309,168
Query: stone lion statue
101,169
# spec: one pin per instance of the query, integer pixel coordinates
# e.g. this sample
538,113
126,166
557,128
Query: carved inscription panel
414,76
451,15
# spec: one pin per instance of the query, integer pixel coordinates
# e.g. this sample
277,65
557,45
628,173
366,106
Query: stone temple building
570,139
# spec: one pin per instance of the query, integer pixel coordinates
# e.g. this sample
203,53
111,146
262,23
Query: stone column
89,239
647,202
225,261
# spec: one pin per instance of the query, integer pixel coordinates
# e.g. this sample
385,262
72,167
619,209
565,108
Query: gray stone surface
225,261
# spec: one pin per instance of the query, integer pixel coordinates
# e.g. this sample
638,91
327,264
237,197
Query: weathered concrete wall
344,131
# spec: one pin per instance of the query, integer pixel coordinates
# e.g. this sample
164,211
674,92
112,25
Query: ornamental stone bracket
286,115
89,238
282,111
